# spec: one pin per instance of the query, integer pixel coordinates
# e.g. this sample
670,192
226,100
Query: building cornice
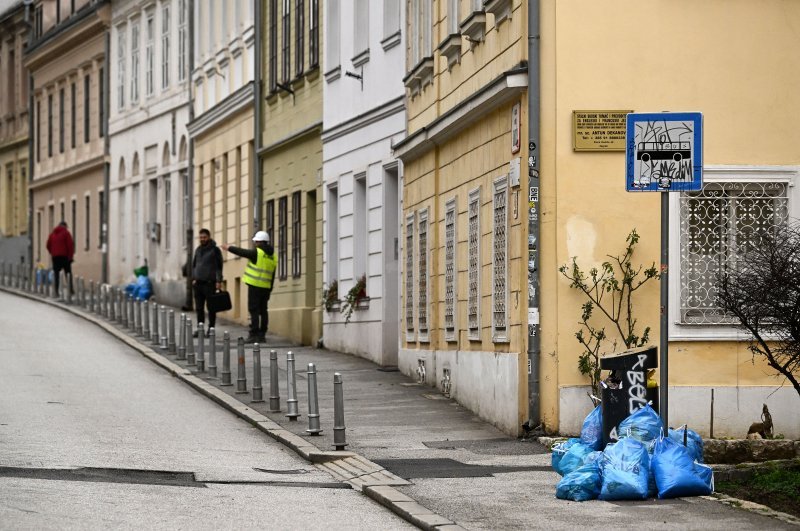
13,143
72,171
315,128
360,121
236,102
488,98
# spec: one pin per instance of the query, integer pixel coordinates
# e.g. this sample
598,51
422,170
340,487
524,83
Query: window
101,225
313,34
61,102
74,225
473,265
360,244
121,51
135,221
450,270
135,61
409,302
72,7
299,32
165,21
287,41
391,17
149,55
187,206
332,243
167,212
296,236
360,26
38,21
86,86
73,114
101,103
332,50
421,30
453,16
282,243
58,11
11,67
182,56
123,222
422,281
211,27
87,221
49,125
273,45
38,235
500,260
63,212
270,220
38,130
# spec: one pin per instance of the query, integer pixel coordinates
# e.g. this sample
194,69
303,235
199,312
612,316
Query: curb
753,507
391,498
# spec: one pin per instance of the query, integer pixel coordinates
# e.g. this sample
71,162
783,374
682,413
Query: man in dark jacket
258,275
62,250
206,276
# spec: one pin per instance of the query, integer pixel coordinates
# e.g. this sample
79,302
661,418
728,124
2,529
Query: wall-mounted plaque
598,130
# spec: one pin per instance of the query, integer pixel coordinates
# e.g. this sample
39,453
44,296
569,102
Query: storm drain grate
449,468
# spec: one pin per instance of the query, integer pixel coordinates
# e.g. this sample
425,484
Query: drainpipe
534,149
107,165
257,85
189,301
31,140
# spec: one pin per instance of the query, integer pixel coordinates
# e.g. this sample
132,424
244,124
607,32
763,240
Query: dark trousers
62,263
202,291
257,301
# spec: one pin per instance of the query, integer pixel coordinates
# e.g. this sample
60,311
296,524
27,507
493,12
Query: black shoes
255,339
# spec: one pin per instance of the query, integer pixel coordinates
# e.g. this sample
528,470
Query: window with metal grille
61,101
149,75
422,281
270,220
296,236
273,45
313,34
287,41
165,49
282,243
450,270
87,82
121,51
135,61
167,212
500,261
409,302
717,226
300,33
473,265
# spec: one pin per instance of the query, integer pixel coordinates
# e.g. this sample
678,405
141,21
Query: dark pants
257,300
202,291
62,263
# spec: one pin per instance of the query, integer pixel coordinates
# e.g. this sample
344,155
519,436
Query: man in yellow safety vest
259,276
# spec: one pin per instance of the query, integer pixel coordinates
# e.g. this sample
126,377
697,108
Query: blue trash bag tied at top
559,450
573,457
694,443
677,474
644,425
592,430
625,468
583,483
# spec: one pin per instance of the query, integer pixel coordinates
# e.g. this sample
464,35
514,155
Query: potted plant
330,296
356,294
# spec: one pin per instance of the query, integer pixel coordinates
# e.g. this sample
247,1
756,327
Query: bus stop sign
664,152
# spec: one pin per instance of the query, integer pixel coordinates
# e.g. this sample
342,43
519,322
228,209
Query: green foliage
330,295
357,293
610,290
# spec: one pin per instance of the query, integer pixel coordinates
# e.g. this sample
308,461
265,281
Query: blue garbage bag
592,430
130,289
676,472
581,484
625,467
574,458
644,425
694,443
559,450
144,288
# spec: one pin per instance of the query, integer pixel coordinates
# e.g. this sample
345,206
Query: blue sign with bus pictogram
664,152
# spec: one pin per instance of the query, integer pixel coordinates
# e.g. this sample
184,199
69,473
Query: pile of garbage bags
142,288
644,462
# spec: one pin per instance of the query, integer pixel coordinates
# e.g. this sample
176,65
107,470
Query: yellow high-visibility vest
261,273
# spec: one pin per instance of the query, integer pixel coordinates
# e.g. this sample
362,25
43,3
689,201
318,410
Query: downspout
31,140
534,98
257,86
107,164
189,302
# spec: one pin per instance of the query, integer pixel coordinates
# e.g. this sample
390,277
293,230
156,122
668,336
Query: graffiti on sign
637,386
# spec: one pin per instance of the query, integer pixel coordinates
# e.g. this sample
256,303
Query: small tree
761,291
609,289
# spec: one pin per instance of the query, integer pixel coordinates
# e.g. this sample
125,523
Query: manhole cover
448,468
501,446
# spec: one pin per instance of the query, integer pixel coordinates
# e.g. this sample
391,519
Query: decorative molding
501,9
333,74
450,48
360,58
419,76
474,26
391,41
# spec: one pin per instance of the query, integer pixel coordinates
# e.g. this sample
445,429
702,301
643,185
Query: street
80,414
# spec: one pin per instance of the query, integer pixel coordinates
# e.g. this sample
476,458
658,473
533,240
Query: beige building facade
67,62
290,161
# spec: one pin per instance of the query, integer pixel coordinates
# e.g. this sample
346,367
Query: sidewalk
456,467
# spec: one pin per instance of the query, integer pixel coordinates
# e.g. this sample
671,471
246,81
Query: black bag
219,302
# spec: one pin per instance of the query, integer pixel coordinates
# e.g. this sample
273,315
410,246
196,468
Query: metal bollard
146,320
171,333
291,388
190,357
201,348
274,392
182,338
129,304
241,380
212,353
162,327
137,317
154,329
258,392
313,402
123,310
339,438
226,359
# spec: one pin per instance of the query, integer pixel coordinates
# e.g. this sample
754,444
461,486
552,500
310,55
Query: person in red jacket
62,250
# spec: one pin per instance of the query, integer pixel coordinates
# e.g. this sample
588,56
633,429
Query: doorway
391,271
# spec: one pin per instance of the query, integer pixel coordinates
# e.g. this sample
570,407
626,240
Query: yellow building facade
290,159
732,61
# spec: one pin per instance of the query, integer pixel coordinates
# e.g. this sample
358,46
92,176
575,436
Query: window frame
297,237
61,126
269,219
166,21
313,35
423,280
87,87
73,128
150,28
500,186
49,126
408,273
136,35
121,55
299,43
101,103
182,42
273,45
282,237
451,280
286,48
474,333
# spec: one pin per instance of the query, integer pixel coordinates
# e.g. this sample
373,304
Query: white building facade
150,187
364,115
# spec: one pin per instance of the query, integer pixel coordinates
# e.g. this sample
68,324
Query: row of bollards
156,323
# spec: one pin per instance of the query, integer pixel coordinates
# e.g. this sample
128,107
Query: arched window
121,172
135,165
182,150
165,162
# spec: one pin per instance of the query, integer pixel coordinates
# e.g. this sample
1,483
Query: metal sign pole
663,389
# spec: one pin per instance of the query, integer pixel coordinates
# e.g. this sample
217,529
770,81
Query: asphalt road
81,414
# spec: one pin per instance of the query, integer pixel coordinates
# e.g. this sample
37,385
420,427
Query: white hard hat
261,236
